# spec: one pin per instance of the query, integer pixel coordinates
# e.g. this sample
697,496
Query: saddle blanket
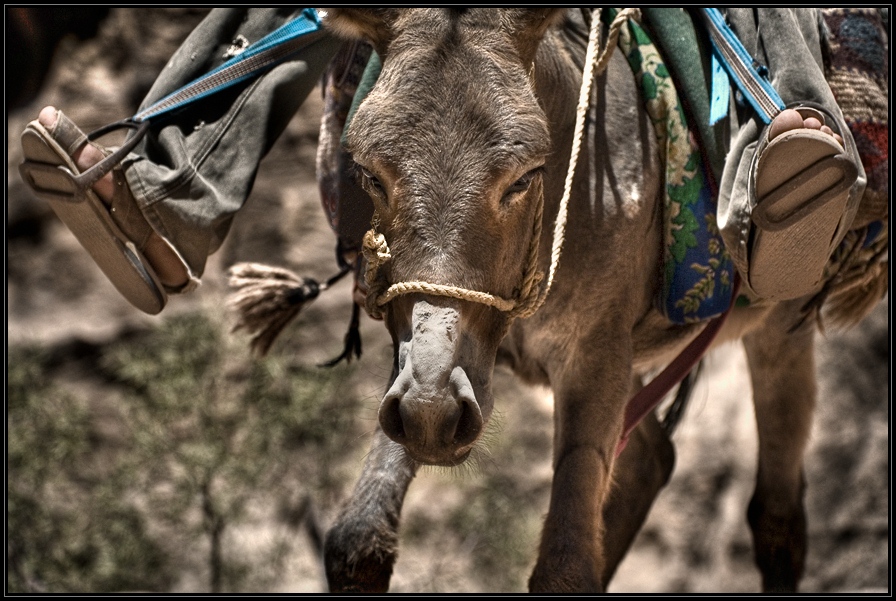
698,273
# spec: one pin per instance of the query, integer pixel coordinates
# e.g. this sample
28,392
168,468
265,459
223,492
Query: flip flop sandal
801,182
52,175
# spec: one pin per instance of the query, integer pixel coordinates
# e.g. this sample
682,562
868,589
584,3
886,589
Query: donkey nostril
469,425
390,419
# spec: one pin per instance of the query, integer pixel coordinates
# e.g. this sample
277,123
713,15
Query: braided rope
485,298
376,252
595,64
376,249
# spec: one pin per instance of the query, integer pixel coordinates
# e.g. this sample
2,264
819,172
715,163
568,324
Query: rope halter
380,292
532,295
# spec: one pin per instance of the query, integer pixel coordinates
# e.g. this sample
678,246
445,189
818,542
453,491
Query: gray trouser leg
193,172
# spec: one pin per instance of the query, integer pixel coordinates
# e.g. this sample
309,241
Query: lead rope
594,65
376,249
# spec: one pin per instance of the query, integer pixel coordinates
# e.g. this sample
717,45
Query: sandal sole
802,183
45,172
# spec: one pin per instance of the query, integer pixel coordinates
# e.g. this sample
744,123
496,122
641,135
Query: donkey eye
523,183
371,184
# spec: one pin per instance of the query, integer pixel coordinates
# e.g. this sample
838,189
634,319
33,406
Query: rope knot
531,298
376,249
377,255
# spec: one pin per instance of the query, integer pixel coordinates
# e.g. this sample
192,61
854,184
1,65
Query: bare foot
168,267
790,119
85,157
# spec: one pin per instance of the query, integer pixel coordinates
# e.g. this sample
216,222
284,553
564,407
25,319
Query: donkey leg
641,471
782,371
362,545
587,428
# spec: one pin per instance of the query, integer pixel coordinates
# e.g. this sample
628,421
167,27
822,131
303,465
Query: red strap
650,396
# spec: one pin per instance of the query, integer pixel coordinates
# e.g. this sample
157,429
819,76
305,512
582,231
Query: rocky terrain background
470,530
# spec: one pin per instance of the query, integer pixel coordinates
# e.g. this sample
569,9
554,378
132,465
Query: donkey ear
371,24
538,20
529,26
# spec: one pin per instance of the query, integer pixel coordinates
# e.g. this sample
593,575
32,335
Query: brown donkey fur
463,145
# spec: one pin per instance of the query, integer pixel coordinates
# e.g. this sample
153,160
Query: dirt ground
696,539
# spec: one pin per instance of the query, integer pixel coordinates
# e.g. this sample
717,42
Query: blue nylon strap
743,70
720,92
263,54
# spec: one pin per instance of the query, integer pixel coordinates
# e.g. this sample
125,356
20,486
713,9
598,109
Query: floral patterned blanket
698,273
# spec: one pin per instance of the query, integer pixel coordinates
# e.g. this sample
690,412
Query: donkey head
451,145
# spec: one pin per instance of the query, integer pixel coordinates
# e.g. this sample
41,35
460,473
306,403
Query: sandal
801,181
114,236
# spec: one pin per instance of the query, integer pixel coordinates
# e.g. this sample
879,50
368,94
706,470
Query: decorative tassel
268,298
846,309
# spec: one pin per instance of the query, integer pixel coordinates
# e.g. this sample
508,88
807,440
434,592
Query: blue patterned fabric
698,272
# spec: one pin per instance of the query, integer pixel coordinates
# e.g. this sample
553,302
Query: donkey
463,146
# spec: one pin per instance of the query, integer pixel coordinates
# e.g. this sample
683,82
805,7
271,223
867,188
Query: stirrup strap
747,73
263,54
650,396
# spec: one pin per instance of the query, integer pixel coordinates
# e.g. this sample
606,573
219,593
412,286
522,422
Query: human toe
47,117
812,123
786,120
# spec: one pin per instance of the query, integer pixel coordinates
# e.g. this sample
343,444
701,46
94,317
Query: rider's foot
168,267
790,119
